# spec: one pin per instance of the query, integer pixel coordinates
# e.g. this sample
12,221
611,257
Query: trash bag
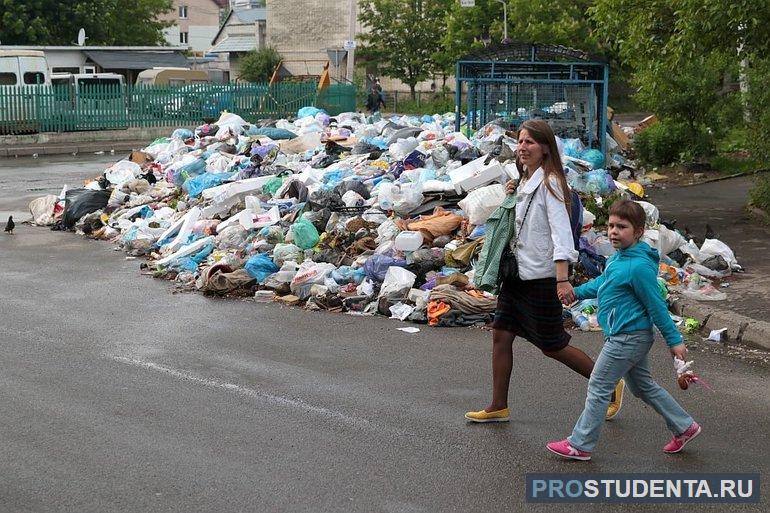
42,209
310,273
319,218
397,282
272,234
122,171
376,266
305,234
232,237
276,134
272,185
593,157
287,252
79,202
182,133
356,186
260,267
187,171
346,274
197,184
480,203
326,199
308,111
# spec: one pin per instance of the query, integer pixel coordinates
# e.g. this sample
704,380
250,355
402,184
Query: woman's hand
565,292
510,186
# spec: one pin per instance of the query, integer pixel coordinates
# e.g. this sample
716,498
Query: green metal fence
103,106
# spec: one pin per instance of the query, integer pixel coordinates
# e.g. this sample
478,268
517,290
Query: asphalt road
119,395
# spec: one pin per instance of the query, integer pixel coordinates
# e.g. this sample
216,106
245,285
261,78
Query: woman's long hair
541,132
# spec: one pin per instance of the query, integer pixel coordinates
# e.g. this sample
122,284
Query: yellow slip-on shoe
614,408
489,416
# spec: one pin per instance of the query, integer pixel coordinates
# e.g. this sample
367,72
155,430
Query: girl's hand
565,292
510,186
679,351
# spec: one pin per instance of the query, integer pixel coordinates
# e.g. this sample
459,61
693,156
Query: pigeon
710,232
9,226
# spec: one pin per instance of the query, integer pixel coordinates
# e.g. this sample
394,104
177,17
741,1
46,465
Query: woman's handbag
509,266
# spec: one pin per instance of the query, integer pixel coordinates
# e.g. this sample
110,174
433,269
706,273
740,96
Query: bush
258,66
668,141
759,196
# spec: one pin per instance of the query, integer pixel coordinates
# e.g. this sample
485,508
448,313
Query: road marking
251,393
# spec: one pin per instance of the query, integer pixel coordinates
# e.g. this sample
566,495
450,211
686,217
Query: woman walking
535,271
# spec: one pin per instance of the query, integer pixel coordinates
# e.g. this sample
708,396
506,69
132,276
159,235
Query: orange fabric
441,222
435,310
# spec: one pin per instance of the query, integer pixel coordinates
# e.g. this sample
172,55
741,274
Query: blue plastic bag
182,133
260,267
271,132
197,184
346,274
377,265
308,111
594,157
184,173
191,263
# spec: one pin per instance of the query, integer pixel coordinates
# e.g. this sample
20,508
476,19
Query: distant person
374,100
629,304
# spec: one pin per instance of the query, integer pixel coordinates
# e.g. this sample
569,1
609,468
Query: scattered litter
716,335
409,329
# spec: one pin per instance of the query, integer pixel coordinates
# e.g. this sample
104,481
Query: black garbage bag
679,257
332,148
356,186
464,155
325,162
297,190
319,218
79,202
325,199
404,133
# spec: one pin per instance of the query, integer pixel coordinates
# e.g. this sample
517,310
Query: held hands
565,292
510,186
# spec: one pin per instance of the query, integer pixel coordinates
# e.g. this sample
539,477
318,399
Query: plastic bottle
581,321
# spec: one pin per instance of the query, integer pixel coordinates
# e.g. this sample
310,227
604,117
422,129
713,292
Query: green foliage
759,195
601,211
758,105
438,105
402,35
670,141
106,22
259,65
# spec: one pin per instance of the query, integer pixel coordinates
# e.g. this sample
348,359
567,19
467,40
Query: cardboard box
476,174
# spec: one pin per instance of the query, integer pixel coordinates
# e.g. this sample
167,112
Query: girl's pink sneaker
678,442
565,450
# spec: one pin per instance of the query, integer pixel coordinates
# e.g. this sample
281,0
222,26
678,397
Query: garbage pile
350,214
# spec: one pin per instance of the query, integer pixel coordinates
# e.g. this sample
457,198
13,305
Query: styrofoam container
476,174
408,241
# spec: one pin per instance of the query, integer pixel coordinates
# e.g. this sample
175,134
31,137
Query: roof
20,53
236,43
243,17
99,48
136,60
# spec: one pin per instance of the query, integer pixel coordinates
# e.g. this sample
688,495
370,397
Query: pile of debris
350,214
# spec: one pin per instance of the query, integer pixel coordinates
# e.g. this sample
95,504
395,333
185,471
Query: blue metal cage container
519,81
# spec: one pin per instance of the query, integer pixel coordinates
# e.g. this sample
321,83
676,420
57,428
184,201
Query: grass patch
759,195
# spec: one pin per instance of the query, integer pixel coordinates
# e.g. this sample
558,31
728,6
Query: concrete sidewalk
722,205
86,141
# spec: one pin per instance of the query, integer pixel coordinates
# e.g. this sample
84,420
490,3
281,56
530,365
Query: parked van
90,101
23,67
172,77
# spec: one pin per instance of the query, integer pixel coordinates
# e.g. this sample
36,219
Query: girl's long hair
541,132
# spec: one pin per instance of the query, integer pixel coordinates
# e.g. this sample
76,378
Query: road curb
84,148
740,329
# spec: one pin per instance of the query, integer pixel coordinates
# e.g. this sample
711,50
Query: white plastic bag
397,283
123,171
712,247
652,213
480,203
42,209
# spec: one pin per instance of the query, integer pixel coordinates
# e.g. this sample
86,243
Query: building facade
195,23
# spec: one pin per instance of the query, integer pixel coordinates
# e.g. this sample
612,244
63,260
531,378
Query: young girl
629,303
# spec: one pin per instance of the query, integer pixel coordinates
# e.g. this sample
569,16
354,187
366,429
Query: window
34,77
183,38
7,78
183,12
65,70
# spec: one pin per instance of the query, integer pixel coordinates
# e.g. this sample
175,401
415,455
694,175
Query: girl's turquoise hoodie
628,293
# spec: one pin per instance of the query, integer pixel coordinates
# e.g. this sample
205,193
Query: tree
682,54
259,65
106,22
402,37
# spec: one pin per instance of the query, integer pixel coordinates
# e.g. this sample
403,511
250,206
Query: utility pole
505,21
350,44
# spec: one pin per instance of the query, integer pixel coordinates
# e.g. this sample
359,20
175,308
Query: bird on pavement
710,232
9,226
